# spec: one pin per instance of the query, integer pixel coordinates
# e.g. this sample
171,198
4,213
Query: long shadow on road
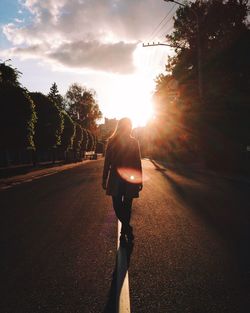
223,205
120,270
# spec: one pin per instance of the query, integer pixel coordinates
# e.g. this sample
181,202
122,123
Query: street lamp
200,83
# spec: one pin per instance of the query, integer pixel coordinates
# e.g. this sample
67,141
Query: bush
17,119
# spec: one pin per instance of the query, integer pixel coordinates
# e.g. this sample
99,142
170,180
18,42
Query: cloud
112,57
94,34
108,57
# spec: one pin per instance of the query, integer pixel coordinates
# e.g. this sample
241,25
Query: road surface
191,250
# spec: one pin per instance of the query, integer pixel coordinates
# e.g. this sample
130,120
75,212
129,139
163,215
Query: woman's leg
127,208
119,211
118,206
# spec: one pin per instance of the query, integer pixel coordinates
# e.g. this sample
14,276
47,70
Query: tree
91,139
9,75
68,133
77,142
17,118
84,140
221,32
55,96
82,106
49,125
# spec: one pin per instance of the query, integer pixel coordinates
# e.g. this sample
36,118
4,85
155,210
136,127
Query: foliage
94,142
78,138
220,30
91,141
55,96
82,106
9,74
49,125
214,126
84,140
68,133
17,119
36,121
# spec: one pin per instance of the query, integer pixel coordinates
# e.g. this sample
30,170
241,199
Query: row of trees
212,45
45,127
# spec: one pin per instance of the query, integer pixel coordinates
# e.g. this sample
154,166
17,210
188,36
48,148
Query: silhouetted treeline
202,103
38,128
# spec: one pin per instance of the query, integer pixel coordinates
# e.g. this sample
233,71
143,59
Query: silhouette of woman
122,174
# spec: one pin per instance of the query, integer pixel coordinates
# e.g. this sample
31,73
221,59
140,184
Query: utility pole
199,56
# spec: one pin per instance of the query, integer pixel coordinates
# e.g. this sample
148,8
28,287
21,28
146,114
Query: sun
131,97
140,109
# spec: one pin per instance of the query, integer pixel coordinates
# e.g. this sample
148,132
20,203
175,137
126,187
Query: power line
165,32
154,32
166,21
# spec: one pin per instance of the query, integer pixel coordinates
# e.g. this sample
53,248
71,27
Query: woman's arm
106,167
138,162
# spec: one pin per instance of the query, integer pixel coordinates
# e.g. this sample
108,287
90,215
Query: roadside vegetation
35,127
202,101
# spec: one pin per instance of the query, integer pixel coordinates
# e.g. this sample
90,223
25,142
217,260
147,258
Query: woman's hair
123,128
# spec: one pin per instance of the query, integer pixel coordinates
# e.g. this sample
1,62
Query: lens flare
130,175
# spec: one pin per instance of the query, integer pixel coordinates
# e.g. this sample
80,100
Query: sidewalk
29,173
14,170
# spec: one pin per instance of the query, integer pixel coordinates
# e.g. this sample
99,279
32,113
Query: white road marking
122,284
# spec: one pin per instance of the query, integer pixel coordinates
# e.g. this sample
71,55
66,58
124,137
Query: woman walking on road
122,174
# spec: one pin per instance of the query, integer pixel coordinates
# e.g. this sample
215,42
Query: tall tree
68,133
77,142
17,118
82,106
84,140
91,141
49,125
55,96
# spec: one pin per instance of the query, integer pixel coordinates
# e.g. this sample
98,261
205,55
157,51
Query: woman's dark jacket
122,165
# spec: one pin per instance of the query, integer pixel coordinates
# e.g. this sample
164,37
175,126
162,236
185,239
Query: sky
96,43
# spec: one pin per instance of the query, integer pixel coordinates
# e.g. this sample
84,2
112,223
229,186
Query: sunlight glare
131,97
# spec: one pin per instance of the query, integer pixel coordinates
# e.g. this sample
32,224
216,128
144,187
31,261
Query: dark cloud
113,57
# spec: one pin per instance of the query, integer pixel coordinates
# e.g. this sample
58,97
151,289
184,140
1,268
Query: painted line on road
122,284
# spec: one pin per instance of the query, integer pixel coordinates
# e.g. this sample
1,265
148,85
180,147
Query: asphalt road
58,247
191,251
